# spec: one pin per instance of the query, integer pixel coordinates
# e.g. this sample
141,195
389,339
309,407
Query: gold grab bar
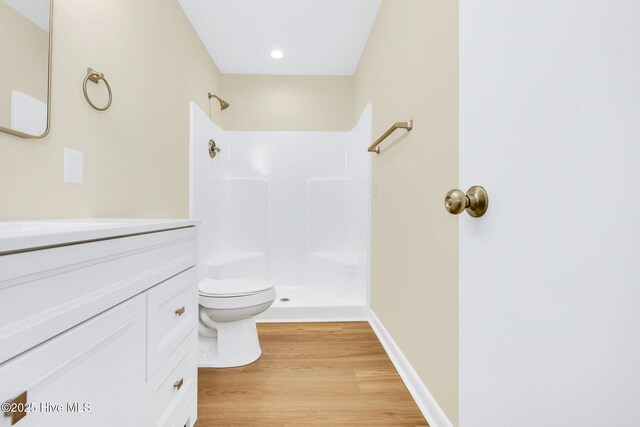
399,125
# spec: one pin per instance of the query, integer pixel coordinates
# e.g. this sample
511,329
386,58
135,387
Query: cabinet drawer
48,291
175,382
185,415
172,309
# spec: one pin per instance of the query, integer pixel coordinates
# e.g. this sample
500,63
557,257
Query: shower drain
285,299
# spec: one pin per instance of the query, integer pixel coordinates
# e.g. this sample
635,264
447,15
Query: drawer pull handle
17,408
180,311
178,384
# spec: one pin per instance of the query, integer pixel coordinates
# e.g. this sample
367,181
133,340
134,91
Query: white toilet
227,328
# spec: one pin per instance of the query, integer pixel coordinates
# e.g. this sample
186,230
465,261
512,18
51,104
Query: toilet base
227,344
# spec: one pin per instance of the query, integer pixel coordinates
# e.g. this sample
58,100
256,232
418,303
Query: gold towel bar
399,125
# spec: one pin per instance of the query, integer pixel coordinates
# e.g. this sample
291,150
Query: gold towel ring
95,77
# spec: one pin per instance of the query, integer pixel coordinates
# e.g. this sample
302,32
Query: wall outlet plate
73,166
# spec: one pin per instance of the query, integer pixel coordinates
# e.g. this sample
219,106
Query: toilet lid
233,287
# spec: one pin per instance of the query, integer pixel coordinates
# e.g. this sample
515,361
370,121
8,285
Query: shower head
223,104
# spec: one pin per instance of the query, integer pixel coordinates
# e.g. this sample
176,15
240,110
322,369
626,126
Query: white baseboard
314,314
425,401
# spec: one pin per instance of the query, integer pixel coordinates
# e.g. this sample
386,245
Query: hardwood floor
330,374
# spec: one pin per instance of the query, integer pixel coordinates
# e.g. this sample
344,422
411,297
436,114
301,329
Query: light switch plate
73,166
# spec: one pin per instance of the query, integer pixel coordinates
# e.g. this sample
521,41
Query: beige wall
409,69
287,103
136,153
24,51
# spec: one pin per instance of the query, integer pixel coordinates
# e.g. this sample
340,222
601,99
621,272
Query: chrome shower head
223,104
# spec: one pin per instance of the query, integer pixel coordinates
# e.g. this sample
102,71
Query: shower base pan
305,304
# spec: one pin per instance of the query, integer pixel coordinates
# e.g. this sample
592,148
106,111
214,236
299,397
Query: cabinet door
92,375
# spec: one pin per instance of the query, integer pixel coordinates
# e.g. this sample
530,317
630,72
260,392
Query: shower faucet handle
213,149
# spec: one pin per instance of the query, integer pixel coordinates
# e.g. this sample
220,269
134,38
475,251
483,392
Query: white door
92,375
550,276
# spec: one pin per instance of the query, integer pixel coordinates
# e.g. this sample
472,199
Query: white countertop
23,235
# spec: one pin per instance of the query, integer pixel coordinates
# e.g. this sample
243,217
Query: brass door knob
476,201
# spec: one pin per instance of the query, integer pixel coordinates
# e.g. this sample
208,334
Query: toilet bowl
227,329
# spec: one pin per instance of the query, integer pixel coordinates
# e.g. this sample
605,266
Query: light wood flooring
329,374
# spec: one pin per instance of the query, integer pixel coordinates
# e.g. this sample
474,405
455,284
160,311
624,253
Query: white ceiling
36,11
318,37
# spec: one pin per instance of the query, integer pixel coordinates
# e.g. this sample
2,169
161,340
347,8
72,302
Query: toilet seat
231,288
232,294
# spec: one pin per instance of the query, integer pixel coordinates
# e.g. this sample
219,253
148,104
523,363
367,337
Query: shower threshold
292,313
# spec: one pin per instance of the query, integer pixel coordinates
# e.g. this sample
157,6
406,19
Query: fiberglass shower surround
290,208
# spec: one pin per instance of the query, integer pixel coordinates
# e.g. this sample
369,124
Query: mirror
25,49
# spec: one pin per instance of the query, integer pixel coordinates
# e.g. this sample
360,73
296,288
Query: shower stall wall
290,208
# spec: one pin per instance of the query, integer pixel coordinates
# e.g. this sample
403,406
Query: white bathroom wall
205,175
291,208
296,167
242,214
550,276
327,202
359,170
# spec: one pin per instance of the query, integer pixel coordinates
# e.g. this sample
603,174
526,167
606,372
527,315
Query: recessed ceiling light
277,54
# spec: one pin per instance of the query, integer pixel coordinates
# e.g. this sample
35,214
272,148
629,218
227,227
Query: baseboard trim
314,314
425,401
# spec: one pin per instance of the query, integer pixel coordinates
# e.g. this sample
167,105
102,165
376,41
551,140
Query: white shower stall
290,208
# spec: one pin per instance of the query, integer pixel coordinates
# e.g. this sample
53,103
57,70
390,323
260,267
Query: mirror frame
46,132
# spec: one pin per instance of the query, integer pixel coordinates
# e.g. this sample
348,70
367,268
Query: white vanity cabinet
101,331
